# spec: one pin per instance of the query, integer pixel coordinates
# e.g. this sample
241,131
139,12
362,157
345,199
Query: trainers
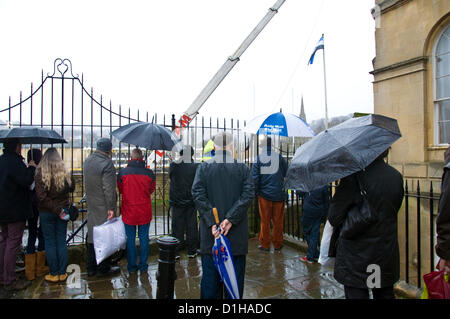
279,248
18,284
306,260
112,271
192,255
262,248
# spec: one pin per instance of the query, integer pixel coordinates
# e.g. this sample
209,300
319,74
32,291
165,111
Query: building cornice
417,60
386,6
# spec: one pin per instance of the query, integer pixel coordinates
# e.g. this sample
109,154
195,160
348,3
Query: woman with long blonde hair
53,184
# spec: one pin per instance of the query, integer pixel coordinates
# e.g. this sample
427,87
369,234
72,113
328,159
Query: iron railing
63,103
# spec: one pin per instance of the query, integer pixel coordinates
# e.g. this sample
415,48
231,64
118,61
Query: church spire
302,111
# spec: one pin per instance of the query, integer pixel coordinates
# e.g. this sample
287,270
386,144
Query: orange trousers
270,211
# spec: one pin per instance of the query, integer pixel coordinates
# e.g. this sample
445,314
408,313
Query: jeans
35,232
144,247
311,231
10,242
211,285
378,293
55,234
185,218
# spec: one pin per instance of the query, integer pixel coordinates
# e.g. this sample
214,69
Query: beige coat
100,187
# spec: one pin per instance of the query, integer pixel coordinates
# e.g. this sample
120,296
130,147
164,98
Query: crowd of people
39,190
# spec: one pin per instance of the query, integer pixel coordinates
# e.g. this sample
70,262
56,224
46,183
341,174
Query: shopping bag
109,238
325,245
436,286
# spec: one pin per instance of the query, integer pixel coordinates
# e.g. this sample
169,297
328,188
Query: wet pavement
274,274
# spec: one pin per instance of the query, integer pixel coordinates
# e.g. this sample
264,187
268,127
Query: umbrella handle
216,215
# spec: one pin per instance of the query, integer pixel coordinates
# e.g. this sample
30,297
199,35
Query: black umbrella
31,135
148,135
341,151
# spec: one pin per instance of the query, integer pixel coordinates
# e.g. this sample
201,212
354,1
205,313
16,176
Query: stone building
412,81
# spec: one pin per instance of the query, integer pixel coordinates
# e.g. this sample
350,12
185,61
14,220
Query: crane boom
194,108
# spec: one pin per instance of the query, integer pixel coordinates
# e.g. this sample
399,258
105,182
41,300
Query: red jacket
136,183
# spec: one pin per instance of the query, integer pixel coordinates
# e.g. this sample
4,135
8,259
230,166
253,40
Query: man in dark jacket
314,213
225,184
184,214
268,174
443,219
136,183
100,185
15,208
371,259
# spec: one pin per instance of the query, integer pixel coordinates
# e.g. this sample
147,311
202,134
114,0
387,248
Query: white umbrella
283,124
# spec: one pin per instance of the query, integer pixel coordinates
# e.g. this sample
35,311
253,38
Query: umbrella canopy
223,260
283,124
31,135
148,135
341,151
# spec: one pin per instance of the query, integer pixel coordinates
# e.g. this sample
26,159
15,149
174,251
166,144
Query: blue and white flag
319,46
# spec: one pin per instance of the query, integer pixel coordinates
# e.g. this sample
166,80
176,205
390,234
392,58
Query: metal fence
62,102
417,231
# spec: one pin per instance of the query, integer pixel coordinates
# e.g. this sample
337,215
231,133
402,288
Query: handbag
359,217
437,286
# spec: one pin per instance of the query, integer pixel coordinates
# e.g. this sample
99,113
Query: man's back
136,183
181,179
269,175
225,184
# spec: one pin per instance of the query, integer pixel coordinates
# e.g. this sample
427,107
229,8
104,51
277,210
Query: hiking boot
18,284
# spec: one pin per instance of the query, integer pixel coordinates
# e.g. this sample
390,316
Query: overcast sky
158,55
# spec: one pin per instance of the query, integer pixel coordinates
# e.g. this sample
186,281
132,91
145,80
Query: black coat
443,218
227,185
379,243
181,178
15,194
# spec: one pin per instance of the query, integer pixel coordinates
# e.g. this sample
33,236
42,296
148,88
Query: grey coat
227,185
100,186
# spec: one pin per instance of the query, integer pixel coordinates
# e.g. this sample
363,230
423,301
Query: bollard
166,275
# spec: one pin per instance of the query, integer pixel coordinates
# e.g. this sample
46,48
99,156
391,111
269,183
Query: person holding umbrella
225,184
268,175
15,208
376,245
363,211
136,183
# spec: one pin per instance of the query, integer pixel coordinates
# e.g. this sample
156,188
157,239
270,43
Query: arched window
442,87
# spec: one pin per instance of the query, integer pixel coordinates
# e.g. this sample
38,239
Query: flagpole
325,84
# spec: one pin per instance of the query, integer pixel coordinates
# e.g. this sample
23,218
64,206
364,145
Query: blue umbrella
223,259
148,135
283,124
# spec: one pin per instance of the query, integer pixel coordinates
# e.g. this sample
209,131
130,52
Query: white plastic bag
325,245
109,238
